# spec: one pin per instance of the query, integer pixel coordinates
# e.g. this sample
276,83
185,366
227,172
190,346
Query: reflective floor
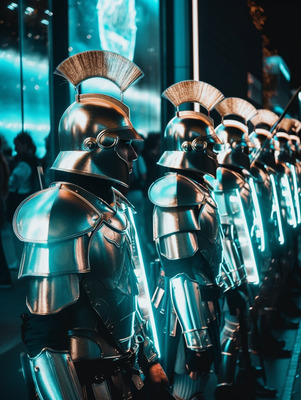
282,374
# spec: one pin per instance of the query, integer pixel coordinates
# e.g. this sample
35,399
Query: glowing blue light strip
296,193
276,209
241,225
286,73
141,276
251,266
287,194
258,218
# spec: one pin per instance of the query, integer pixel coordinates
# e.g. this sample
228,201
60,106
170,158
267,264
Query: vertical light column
195,46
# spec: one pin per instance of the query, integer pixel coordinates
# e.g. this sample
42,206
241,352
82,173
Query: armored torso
75,238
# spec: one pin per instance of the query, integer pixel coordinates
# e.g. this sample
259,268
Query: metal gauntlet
191,311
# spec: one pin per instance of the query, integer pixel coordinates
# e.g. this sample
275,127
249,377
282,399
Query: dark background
283,29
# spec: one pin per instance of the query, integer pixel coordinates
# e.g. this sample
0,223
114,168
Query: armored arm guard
233,271
187,239
54,376
191,311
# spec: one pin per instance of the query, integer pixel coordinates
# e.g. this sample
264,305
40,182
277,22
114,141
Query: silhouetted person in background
5,279
23,179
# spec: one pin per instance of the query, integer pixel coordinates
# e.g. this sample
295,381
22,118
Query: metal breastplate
111,284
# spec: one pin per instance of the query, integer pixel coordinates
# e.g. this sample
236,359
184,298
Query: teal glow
276,210
288,198
257,215
144,298
275,62
117,26
226,271
250,262
285,71
36,98
296,193
235,210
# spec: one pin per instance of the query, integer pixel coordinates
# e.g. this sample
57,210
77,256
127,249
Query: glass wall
130,28
24,100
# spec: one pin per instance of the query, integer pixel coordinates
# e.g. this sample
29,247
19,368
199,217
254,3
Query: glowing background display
128,27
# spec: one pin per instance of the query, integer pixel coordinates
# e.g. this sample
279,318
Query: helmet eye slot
105,141
198,144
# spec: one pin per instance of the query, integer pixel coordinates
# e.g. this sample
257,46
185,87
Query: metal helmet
295,142
91,127
189,137
297,127
263,139
233,132
282,138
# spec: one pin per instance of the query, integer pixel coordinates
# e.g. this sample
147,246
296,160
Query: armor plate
186,225
55,376
234,199
192,312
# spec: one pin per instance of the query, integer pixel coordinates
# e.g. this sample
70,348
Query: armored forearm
191,311
54,376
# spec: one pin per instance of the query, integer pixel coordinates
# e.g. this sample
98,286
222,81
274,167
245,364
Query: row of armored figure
255,177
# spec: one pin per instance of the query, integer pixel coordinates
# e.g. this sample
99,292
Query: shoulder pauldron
56,225
174,190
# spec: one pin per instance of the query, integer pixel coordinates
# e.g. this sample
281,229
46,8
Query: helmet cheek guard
189,137
92,126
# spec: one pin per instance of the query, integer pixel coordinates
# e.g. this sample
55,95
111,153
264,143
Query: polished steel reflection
61,385
191,311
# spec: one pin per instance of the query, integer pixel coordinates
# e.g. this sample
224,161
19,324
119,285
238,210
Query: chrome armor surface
263,167
192,311
91,127
285,157
96,241
189,137
263,150
62,385
233,175
233,131
185,223
232,194
185,219
187,236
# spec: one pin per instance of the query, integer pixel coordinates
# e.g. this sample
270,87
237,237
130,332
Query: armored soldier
243,237
289,189
188,242
85,335
264,168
